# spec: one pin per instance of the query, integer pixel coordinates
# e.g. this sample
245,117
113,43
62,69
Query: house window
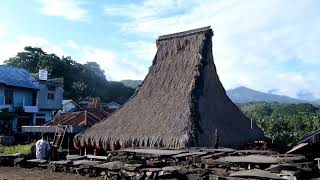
51,91
34,98
51,95
8,93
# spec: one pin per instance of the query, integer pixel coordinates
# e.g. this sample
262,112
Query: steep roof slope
17,77
180,103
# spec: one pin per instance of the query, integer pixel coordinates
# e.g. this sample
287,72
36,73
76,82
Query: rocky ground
36,174
193,164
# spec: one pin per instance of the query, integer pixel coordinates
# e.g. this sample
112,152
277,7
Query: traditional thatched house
181,103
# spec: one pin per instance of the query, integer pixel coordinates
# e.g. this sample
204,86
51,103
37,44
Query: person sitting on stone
42,149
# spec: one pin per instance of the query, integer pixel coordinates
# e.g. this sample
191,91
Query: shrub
23,149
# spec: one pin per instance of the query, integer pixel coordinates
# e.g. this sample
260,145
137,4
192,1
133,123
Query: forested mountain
288,123
316,102
80,80
244,95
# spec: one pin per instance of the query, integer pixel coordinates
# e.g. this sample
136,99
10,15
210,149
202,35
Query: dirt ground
36,174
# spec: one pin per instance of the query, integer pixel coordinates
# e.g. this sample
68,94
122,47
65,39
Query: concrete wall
20,95
46,114
44,102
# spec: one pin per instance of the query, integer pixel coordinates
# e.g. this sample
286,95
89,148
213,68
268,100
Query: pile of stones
195,163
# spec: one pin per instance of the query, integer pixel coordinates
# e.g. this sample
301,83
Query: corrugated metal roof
76,121
12,76
80,118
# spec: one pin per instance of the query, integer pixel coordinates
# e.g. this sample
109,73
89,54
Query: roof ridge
184,33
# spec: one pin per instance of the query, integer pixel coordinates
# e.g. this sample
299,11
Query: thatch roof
180,103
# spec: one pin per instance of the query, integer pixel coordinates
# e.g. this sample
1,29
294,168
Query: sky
267,45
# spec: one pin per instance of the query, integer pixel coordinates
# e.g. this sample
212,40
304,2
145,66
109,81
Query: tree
94,68
28,59
80,80
52,63
288,123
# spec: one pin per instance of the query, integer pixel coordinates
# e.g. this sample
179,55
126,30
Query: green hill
288,123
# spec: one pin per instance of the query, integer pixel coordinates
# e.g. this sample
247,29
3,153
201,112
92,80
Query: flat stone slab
170,169
154,152
10,155
151,169
218,150
98,157
75,157
113,166
278,167
38,161
255,159
182,155
132,167
128,173
290,158
288,173
255,173
86,162
207,156
253,151
62,162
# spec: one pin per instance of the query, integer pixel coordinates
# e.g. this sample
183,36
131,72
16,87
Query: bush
23,149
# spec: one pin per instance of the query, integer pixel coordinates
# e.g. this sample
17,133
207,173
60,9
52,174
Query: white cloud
148,8
42,43
142,50
254,42
257,43
3,32
71,44
13,46
116,67
306,94
68,9
103,57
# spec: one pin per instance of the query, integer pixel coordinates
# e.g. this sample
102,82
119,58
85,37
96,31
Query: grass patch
23,149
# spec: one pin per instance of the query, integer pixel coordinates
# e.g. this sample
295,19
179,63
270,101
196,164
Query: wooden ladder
59,136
